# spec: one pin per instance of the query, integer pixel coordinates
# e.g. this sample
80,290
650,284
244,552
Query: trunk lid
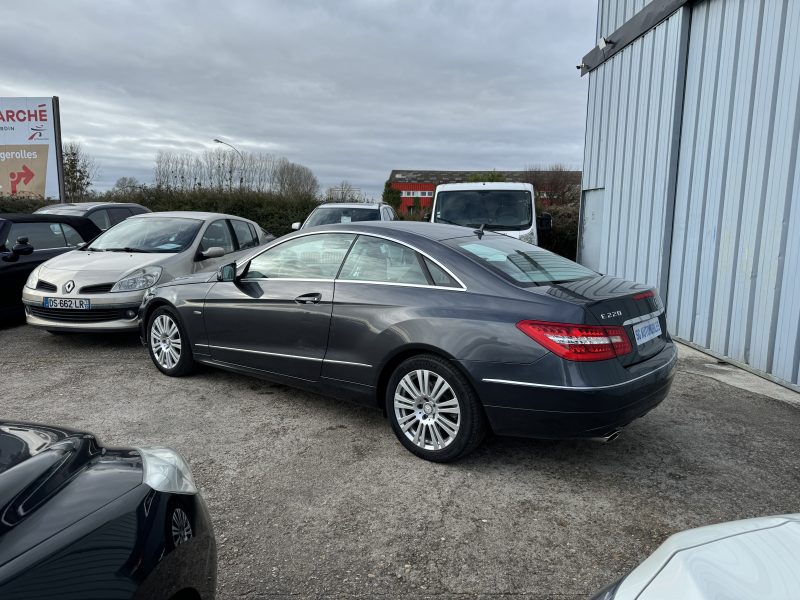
610,301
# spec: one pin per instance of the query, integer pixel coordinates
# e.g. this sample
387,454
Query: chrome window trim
261,352
463,287
640,319
414,285
589,388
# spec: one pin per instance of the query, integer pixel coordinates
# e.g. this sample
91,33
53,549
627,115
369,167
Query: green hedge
20,205
563,238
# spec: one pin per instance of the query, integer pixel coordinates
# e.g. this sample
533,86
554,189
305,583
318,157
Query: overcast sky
351,89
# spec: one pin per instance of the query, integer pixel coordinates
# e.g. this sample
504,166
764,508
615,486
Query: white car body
750,559
87,276
524,230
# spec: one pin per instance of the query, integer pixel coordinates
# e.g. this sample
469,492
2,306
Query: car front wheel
433,409
168,344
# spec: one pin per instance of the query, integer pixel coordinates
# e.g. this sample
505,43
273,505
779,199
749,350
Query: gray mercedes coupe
452,332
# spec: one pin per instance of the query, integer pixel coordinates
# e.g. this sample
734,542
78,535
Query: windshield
521,263
500,210
331,215
152,234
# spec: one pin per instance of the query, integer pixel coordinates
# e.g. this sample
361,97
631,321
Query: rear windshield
520,263
500,210
334,215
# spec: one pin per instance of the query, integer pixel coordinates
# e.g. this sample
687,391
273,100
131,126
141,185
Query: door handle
308,299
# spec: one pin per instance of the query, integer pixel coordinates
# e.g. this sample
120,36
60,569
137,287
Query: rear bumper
527,409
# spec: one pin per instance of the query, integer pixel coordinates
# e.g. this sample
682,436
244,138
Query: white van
503,207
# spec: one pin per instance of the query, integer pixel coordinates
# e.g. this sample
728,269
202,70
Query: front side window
500,210
118,215
42,236
101,219
332,215
308,257
73,237
149,234
519,262
245,234
375,259
217,235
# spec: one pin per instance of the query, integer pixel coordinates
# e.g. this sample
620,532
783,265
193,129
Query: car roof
88,205
188,214
487,185
83,225
351,205
402,229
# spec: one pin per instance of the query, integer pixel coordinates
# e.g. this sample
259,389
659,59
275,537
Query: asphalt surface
312,497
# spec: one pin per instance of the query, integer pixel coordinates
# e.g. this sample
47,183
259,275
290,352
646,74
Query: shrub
563,237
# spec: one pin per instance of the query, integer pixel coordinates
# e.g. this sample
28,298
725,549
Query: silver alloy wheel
181,527
427,410
165,340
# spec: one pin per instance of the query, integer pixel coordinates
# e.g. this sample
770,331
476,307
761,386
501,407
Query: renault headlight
166,471
138,280
33,278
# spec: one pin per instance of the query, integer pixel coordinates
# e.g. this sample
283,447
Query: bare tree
80,170
344,192
555,183
293,180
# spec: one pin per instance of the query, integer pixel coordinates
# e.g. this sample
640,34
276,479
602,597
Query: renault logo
69,286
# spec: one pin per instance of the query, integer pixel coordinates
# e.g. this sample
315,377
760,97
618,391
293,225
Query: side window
245,234
375,259
309,257
100,218
41,236
73,237
217,234
439,275
118,214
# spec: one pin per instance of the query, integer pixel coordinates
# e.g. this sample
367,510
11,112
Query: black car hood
51,477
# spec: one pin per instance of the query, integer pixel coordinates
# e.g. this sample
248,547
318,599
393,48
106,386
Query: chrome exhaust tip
609,437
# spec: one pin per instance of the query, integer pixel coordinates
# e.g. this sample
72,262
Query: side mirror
81,245
296,226
544,222
213,252
227,272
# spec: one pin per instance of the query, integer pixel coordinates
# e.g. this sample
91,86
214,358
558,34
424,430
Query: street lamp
241,171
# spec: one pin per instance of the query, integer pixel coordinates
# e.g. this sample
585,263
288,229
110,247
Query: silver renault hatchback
99,287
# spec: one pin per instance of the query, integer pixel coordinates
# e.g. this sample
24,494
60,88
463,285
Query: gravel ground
312,497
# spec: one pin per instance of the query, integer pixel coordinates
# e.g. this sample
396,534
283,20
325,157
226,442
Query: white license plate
646,331
68,303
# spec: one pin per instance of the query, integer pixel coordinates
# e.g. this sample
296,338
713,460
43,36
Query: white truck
503,207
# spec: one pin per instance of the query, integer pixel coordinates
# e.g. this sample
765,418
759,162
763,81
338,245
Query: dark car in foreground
28,240
450,330
80,521
103,214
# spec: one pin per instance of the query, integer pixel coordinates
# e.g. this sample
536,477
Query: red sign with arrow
24,177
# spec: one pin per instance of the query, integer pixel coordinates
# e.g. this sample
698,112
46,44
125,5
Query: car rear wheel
168,344
433,409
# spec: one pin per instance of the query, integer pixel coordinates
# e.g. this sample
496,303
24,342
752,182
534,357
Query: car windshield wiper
447,222
127,249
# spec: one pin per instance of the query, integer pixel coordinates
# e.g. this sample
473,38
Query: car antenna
479,231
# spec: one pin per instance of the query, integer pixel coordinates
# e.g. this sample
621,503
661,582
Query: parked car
348,212
103,214
505,207
26,241
83,521
100,286
451,331
754,559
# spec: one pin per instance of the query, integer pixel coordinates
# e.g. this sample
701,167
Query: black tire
466,429
185,361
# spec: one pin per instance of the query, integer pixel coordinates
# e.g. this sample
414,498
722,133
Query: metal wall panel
635,101
735,255
613,13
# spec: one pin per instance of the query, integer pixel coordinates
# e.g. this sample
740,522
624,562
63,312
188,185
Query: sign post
31,164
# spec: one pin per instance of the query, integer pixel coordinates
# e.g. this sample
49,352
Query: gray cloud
351,89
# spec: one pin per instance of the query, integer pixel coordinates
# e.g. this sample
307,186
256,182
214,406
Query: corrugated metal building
691,181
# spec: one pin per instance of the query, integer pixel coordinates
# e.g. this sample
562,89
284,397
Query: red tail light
578,342
643,295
